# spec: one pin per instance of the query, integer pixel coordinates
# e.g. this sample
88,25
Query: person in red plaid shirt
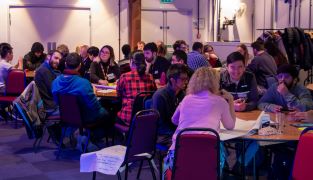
132,83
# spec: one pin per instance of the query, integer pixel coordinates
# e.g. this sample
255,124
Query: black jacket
246,88
160,65
111,73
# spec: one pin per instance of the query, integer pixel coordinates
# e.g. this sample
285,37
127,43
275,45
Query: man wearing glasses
286,94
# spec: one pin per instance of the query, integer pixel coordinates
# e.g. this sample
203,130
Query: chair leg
94,174
139,171
61,142
37,142
119,175
152,170
88,136
35,145
126,171
160,164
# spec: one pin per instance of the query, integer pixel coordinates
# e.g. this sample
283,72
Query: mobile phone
286,110
302,124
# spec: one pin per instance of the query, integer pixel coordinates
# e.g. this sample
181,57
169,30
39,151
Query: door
179,26
167,26
152,24
59,25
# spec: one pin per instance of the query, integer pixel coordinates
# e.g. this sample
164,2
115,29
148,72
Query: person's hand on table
103,82
240,105
304,116
226,95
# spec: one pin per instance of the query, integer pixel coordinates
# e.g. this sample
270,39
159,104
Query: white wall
190,5
104,19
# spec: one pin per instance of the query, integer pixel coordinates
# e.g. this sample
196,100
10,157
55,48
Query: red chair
141,139
197,156
14,86
71,117
302,168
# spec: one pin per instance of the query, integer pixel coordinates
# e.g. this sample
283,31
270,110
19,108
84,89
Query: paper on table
242,128
106,91
105,87
106,161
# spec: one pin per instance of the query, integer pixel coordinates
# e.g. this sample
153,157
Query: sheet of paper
106,161
106,91
242,128
105,87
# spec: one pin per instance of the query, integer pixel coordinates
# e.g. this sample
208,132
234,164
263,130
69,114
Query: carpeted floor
18,160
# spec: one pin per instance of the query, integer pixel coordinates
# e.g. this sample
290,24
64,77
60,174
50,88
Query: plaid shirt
196,60
128,86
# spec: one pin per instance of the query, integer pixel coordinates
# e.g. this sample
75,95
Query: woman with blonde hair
204,106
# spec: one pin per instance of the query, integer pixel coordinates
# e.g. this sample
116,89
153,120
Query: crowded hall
156,89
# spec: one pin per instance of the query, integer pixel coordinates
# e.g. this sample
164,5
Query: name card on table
107,160
242,128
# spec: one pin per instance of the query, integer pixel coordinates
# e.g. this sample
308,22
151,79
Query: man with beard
156,65
44,76
286,94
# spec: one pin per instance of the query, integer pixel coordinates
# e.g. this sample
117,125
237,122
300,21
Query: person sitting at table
180,57
6,55
70,82
124,63
132,83
105,70
240,83
211,56
35,57
166,100
64,50
44,76
156,65
287,93
242,48
203,106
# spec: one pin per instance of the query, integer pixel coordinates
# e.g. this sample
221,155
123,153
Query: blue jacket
90,107
298,97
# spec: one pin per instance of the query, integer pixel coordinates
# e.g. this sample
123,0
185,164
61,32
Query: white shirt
4,71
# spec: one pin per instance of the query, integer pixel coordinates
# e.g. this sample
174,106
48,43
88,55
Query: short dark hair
235,56
126,49
258,45
5,49
175,70
288,69
72,60
177,44
37,47
196,46
151,46
180,55
93,50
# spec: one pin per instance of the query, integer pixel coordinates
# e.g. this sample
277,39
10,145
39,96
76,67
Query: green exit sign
166,1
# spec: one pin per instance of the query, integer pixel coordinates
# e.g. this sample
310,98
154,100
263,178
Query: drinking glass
279,119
